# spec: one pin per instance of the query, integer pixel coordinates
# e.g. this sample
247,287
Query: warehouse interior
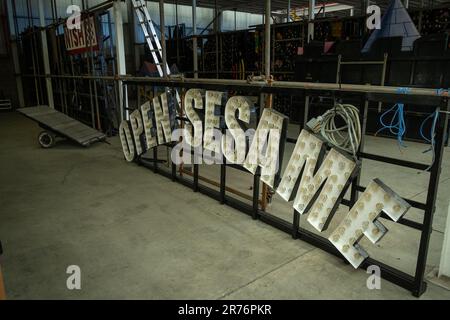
83,186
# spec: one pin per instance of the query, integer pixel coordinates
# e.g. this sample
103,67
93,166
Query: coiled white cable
348,137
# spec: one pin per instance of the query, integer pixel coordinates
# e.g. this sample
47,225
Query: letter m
318,192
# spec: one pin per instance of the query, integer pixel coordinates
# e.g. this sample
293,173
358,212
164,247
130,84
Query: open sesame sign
315,180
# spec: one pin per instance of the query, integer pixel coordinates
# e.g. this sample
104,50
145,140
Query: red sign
83,39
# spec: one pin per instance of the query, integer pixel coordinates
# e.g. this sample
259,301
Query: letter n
162,117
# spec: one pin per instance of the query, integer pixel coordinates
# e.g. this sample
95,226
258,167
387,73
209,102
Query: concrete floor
137,235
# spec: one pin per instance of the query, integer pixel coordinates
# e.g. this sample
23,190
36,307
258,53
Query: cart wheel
47,139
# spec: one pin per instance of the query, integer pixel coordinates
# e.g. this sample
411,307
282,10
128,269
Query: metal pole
163,37
120,58
57,55
194,39
33,56
2,286
444,265
267,38
134,51
259,86
311,15
216,31
288,15
178,33
433,186
419,27
15,53
268,98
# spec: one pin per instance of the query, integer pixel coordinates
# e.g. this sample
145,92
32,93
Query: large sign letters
316,177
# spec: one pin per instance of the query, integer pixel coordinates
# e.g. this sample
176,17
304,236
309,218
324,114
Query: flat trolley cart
57,124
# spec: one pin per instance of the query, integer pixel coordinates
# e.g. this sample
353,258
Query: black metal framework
413,283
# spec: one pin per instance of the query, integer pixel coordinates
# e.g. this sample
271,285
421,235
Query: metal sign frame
413,283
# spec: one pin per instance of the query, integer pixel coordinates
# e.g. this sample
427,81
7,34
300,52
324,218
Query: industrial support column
194,39
134,51
444,267
268,99
120,59
45,57
311,15
217,27
288,16
162,27
2,285
15,55
267,20
441,277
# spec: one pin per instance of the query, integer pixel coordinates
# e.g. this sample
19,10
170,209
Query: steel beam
267,41
194,39
274,86
311,16
163,36
45,57
120,59
15,54
288,16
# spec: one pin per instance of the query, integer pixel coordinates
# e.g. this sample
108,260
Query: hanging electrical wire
397,125
346,137
432,138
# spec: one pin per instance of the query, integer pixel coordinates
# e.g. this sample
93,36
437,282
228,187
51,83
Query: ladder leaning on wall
146,23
